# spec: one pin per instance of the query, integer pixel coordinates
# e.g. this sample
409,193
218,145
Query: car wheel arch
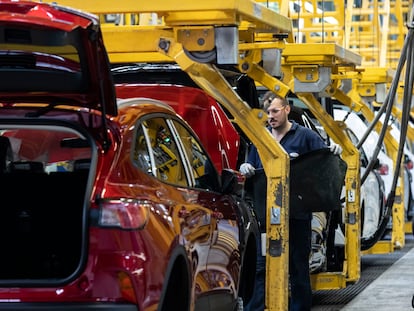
178,272
247,276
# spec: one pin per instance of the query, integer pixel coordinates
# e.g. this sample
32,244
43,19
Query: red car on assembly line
107,203
201,111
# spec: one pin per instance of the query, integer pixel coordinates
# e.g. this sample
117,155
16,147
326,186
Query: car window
141,155
205,174
156,152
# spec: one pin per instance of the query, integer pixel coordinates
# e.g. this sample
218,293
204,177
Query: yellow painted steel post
250,65
351,270
309,69
276,165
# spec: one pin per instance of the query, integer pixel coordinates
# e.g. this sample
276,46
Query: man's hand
247,169
335,148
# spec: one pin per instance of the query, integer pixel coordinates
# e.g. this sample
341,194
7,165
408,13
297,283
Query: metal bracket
311,79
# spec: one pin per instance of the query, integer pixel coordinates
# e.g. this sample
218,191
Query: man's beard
275,124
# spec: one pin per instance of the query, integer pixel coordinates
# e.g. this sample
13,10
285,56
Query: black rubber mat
372,266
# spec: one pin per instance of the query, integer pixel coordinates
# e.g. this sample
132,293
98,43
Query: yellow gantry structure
374,29
368,89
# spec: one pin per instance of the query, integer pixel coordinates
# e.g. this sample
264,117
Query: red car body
108,204
201,111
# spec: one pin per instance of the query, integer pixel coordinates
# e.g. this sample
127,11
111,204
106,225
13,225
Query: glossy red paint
204,241
201,111
58,40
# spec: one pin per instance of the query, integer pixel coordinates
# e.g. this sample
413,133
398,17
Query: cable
388,103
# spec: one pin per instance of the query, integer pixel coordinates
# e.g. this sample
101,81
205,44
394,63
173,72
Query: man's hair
269,96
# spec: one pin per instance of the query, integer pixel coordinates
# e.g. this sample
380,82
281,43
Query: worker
296,140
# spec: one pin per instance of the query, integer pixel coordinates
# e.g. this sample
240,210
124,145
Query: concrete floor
386,284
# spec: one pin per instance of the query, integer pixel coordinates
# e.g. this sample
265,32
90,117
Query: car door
223,264
207,219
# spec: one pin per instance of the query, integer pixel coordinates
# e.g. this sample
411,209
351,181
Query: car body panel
58,52
201,111
354,122
192,222
373,210
408,176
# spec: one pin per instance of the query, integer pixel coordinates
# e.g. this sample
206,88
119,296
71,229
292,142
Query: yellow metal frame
364,86
304,61
398,239
304,66
312,23
373,29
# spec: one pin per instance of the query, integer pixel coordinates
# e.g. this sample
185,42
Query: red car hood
52,53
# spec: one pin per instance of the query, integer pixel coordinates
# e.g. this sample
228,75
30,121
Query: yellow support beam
381,247
195,13
308,69
276,166
369,89
353,100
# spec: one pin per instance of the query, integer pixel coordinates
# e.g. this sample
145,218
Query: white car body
354,122
373,195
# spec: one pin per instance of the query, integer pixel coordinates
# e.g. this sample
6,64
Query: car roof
49,51
200,111
358,126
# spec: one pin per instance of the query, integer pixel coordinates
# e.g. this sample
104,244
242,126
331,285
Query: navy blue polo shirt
298,140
